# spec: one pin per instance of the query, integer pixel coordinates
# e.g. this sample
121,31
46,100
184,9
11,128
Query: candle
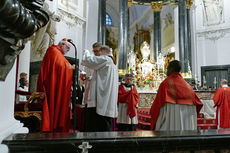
214,80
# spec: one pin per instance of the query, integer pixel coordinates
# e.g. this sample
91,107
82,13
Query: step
206,126
140,118
144,123
143,111
145,118
205,121
143,126
144,115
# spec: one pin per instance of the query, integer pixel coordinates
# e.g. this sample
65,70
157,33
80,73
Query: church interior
144,37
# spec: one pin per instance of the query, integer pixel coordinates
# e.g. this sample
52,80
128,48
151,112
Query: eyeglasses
95,51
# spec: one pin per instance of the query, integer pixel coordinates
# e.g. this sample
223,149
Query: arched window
108,19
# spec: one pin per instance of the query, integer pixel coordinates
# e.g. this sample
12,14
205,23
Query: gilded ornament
157,6
130,3
121,72
189,3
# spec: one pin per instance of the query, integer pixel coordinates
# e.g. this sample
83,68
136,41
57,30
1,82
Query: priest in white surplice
176,104
106,90
90,85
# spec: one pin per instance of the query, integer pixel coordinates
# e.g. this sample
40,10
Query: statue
160,66
132,60
145,50
19,20
161,61
146,66
44,37
213,11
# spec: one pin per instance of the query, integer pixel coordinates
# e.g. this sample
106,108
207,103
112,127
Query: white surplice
105,92
175,117
90,85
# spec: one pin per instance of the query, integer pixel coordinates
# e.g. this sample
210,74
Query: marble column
183,36
188,5
102,21
156,7
157,34
123,36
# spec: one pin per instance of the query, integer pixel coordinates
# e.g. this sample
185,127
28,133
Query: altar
206,97
148,74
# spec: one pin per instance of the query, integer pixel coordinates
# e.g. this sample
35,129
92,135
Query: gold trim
130,3
186,75
121,72
189,3
37,114
157,6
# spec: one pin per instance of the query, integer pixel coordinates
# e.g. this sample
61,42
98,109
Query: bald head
64,45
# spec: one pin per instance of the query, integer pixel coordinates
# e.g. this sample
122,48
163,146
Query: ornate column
188,5
123,36
101,21
183,36
156,7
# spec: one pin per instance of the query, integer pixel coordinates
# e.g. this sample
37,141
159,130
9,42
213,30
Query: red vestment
174,89
130,97
222,102
55,80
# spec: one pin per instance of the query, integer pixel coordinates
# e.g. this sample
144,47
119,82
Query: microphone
70,41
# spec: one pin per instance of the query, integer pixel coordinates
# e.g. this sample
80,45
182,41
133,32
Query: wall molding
214,34
70,19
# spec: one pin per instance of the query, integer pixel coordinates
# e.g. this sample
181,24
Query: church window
108,19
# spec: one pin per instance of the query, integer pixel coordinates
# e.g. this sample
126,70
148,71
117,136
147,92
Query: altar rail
121,142
147,97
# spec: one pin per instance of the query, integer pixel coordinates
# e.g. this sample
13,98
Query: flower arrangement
142,80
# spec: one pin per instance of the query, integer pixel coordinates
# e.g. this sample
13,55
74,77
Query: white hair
64,42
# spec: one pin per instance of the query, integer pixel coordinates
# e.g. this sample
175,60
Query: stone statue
213,11
160,61
44,37
132,59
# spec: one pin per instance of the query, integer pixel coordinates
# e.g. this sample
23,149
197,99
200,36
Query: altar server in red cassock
176,104
55,80
127,106
222,102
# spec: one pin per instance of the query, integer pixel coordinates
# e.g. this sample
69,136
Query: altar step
204,124
144,121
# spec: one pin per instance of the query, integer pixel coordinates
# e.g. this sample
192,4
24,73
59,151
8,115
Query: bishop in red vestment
55,80
222,102
175,90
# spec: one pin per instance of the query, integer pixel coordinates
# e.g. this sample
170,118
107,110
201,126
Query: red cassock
222,102
55,80
130,97
174,89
